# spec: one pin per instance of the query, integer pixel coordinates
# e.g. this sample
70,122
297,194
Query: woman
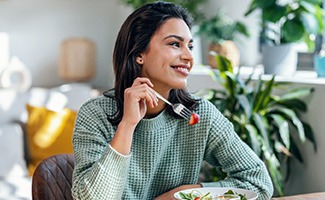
130,145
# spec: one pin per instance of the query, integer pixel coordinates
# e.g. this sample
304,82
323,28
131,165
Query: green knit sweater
166,153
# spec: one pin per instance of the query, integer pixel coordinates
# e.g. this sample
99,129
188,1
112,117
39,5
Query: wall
248,47
37,27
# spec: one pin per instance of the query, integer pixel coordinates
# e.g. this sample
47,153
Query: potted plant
270,124
285,23
221,30
190,5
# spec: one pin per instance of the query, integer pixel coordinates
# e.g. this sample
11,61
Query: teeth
182,69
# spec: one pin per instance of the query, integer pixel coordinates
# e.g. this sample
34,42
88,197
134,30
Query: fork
178,108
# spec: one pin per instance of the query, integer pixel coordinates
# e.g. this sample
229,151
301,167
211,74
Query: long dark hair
132,40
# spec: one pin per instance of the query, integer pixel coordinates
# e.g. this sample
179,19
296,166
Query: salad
196,195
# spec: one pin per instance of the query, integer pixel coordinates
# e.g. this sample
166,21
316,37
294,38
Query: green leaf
254,137
259,4
251,8
280,148
224,65
275,172
293,30
274,13
295,94
314,2
241,28
283,128
257,93
264,96
295,104
244,102
310,22
310,135
296,152
263,127
296,121
230,83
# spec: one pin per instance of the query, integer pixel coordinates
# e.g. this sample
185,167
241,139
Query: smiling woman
174,46
127,142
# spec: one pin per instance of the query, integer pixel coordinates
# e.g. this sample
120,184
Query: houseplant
285,23
221,30
270,124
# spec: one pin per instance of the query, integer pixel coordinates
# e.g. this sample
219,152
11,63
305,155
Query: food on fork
195,118
182,111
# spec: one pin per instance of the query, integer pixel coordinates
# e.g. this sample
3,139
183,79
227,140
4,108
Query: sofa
35,124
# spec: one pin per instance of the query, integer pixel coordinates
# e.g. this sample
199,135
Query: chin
180,86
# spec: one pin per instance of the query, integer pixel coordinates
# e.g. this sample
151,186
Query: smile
183,70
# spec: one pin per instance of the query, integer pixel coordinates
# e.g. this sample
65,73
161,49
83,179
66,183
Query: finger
153,92
148,94
142,80
143,91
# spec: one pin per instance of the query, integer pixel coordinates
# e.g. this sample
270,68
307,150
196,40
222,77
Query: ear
139,59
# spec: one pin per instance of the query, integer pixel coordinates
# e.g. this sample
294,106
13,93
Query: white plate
250,195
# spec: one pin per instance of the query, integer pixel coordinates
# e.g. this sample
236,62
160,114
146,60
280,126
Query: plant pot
319,65
280,60
227,49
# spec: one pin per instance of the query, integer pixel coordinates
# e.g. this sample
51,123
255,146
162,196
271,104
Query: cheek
161,57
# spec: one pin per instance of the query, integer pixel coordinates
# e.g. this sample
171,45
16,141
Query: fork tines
183,111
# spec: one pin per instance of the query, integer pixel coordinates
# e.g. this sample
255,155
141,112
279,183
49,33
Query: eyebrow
177,37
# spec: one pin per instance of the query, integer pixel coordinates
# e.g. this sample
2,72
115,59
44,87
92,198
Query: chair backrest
52,178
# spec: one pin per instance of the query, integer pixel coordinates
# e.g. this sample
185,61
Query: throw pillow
48,133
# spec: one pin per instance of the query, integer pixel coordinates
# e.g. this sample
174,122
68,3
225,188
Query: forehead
174,26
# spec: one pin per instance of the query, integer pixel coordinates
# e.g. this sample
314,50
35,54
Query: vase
280,59
227,49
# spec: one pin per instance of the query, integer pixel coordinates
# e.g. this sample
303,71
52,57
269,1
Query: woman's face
168,60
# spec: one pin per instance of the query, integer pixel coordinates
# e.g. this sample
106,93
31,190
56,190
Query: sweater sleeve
100,172
242,165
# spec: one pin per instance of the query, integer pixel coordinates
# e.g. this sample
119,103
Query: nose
187,54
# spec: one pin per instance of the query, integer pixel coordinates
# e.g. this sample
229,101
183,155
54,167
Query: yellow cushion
48,133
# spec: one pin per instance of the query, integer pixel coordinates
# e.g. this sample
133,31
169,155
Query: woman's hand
170,194
136,99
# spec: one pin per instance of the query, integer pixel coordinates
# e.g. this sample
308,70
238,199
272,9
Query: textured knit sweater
166,153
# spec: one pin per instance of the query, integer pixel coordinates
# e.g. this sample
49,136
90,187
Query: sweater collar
160,120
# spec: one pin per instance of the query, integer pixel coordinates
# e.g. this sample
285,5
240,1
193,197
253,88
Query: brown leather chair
52,178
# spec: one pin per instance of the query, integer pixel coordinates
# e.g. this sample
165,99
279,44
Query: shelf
301,76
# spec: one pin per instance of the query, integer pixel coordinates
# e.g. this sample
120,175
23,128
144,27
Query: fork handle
162,98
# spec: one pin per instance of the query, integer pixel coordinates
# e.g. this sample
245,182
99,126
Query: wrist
123,137
126,126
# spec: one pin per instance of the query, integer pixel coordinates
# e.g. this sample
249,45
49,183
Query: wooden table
311,196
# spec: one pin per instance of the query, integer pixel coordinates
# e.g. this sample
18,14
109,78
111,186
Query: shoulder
100,104
204,106
209,113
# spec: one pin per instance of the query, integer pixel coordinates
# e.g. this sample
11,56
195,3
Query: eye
191,47
174,44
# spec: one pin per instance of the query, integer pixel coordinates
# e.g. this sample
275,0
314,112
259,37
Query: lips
184,69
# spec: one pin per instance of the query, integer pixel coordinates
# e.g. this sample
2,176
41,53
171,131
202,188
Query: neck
152,112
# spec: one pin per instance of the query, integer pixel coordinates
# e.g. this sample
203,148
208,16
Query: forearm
254,179
242,165
122,140
104,180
